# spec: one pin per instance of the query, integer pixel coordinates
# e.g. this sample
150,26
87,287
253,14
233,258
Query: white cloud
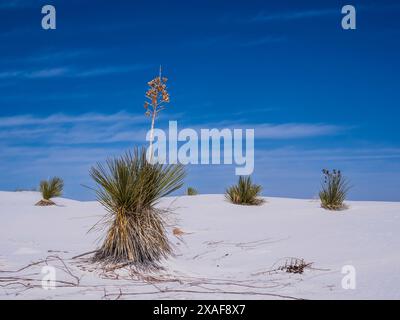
278,131
63,130
262,41
59,118
70,72
110,70
10,74
41,73
294,15
47,73
15,4
294,130
97,128
300,155
6,4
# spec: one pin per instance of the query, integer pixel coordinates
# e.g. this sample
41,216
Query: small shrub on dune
334,190
191,191
50,189
129,188
245,192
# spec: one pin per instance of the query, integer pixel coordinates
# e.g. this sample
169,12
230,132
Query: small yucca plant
334,190
191,191
245,192
129,188
50,189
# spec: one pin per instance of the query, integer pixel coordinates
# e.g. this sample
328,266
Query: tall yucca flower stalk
129,188
157,95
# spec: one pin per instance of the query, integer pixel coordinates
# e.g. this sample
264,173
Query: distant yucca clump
50,189
129,188
245,192
191,191
334,190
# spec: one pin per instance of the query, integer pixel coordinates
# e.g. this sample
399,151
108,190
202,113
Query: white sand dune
225,253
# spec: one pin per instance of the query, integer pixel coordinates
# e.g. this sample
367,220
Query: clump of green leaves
334,190
244,192
129,187
191,191
50,188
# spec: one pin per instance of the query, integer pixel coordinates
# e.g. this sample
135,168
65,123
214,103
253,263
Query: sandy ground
226,251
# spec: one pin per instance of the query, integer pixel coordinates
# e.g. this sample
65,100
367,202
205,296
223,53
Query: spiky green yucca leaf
51,188
245,192
191,191
129,187
334,190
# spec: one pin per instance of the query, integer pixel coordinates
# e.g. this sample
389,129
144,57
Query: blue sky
318,96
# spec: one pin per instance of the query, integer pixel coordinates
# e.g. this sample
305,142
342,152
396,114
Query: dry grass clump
334,190
50,189
245,192
45,203
129,188
295,265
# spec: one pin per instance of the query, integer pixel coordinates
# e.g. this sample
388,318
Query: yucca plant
245,192
191,191
50,188
334,190
129,187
